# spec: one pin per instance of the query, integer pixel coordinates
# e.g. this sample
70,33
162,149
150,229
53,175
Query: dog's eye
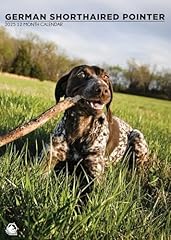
81,74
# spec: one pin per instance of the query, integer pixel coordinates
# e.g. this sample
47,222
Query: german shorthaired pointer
86,135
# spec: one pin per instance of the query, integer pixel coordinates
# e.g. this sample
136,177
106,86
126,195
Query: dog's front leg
56,152
95,165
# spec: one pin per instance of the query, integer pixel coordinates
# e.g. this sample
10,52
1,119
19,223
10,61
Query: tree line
141,79
31,56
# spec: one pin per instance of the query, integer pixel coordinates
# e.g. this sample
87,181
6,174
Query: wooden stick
39,121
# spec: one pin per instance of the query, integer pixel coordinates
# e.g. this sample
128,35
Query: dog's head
92,83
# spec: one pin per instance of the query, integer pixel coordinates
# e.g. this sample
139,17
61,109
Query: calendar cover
97,164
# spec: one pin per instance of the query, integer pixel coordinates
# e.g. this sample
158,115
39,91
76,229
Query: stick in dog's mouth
33,124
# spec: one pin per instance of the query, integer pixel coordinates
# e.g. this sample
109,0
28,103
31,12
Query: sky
98,43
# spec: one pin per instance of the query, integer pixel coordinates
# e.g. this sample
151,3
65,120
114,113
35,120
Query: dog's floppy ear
113,140
60,89
109,113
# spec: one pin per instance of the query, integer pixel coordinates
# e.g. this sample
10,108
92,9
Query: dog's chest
92,141
84,137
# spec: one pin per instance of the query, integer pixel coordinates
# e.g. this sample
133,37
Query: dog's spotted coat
82,137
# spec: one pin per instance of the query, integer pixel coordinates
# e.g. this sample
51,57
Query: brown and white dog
87,136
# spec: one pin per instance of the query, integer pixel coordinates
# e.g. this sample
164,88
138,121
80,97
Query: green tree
22,63
165,83
7,50
139,76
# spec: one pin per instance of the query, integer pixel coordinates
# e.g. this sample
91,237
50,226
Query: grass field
126,205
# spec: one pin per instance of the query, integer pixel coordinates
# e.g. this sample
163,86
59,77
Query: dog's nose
102,90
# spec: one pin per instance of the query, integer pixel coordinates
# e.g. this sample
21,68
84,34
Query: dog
87,135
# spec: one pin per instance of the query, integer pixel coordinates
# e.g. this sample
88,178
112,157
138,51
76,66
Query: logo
11,229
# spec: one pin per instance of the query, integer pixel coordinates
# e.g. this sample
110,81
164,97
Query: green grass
125,205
